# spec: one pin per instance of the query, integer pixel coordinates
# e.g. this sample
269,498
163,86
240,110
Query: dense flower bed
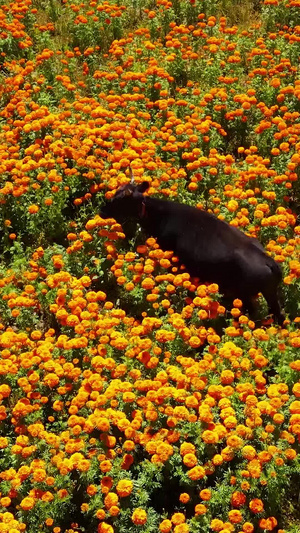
131,399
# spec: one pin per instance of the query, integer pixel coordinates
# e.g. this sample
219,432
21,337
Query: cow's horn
131,176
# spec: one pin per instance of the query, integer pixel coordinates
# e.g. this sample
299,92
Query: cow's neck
152,215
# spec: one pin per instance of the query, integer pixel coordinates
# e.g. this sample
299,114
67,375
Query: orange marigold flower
256,505
205,494
248,527
100,514
268,523
114,510
92,490
290,453
148,283
184,497
39,474
238,499
210,437
32,209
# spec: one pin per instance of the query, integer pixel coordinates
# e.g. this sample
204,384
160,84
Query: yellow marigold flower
216,524
200,509
217,459
210,437
27,503
111,499
163,335
139,517
124,487
181,528
248,452
187,447
197,472
5,502
165,526
235,516
39,474
190,460
148,283
105,528
3,442
227,377
295,407
177,518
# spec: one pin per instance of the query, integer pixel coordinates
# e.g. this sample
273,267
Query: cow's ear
143,186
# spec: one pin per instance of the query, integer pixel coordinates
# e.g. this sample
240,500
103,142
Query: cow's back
209,248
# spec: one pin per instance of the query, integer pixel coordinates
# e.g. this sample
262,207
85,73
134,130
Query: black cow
210,249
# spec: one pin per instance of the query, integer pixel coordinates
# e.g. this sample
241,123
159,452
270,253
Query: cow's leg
249,306
274,305
258,276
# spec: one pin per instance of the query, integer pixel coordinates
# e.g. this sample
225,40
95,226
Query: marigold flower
195,473
124,487
139,517
216,524
105,528
248,452
177,518
256,505
200,509
184,497
205,494
235,516
182,528
165,526
27,503
5,502
110,499
190,460
32,209
248,527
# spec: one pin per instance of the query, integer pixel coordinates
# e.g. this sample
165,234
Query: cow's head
127,202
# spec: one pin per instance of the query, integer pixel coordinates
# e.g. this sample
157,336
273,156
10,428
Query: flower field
131,398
